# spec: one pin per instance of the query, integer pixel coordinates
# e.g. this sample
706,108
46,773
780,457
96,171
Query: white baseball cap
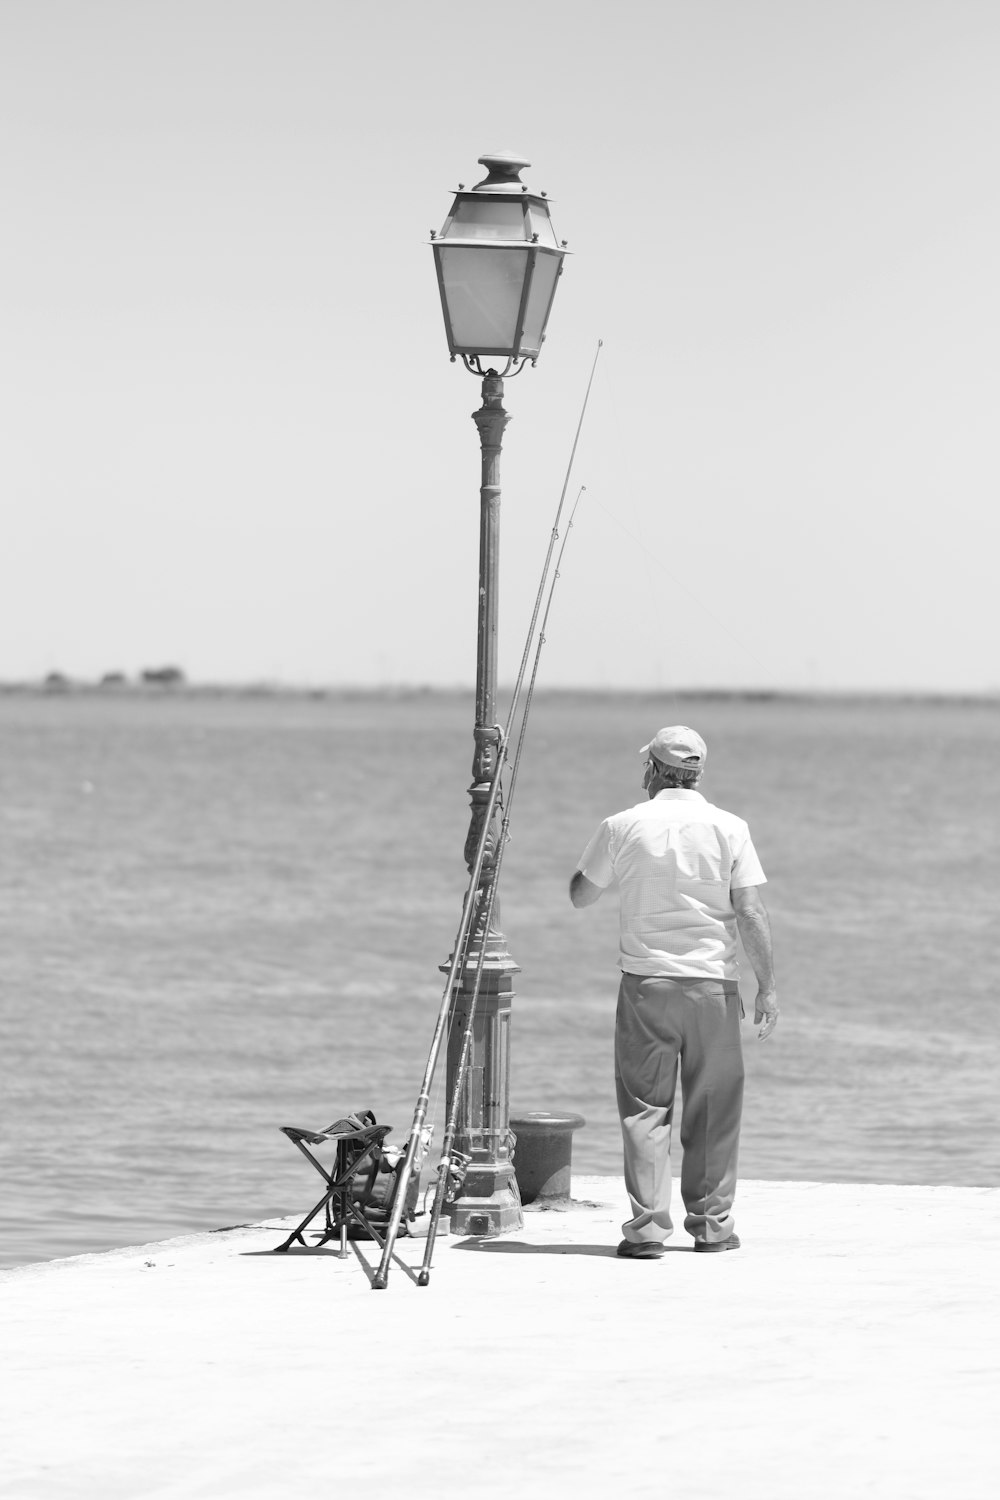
679,746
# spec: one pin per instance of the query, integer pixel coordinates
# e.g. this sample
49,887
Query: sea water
223,913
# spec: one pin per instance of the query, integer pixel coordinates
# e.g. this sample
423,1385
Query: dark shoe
713,1247
641,1249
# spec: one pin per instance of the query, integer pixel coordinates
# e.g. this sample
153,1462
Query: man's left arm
755,935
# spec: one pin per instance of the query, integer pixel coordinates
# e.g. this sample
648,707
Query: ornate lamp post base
489,1203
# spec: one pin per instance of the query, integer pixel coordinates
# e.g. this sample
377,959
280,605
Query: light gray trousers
693,1024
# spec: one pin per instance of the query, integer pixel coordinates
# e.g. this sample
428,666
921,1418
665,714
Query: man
688,880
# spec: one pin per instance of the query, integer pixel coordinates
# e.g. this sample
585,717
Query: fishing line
466,926
552,542
445,1164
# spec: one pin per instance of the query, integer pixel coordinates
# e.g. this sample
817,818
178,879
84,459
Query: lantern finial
503,168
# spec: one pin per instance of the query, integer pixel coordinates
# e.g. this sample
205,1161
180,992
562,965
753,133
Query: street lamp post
497,262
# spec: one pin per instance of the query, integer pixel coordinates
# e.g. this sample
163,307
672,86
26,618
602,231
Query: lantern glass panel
541,225
486,220
539,300
482,289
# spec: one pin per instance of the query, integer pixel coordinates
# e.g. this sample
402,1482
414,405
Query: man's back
676,859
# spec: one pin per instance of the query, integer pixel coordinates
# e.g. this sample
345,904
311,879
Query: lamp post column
488,1203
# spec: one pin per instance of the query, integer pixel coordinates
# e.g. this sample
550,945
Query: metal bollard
543,1155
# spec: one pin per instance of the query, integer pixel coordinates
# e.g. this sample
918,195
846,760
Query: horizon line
61,684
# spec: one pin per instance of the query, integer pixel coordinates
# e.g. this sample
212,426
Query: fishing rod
459,955
405,1171
451,1127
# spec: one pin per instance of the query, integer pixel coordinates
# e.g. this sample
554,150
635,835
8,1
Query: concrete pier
849,1349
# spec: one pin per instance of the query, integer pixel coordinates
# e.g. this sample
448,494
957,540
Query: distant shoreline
73,688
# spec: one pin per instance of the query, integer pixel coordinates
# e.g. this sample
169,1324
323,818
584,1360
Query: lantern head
498,261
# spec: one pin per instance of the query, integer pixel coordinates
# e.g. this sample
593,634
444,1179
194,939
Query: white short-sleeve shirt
675,858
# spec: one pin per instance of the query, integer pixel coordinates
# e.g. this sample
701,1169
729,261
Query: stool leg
343,1198
297,1234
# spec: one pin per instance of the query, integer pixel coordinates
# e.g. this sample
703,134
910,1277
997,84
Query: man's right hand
765,1010
583,892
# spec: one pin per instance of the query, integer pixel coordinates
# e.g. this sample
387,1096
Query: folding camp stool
358,1149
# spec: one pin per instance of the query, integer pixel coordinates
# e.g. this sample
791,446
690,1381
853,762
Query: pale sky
230,434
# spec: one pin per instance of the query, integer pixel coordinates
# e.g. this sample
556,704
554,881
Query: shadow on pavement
516,1247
